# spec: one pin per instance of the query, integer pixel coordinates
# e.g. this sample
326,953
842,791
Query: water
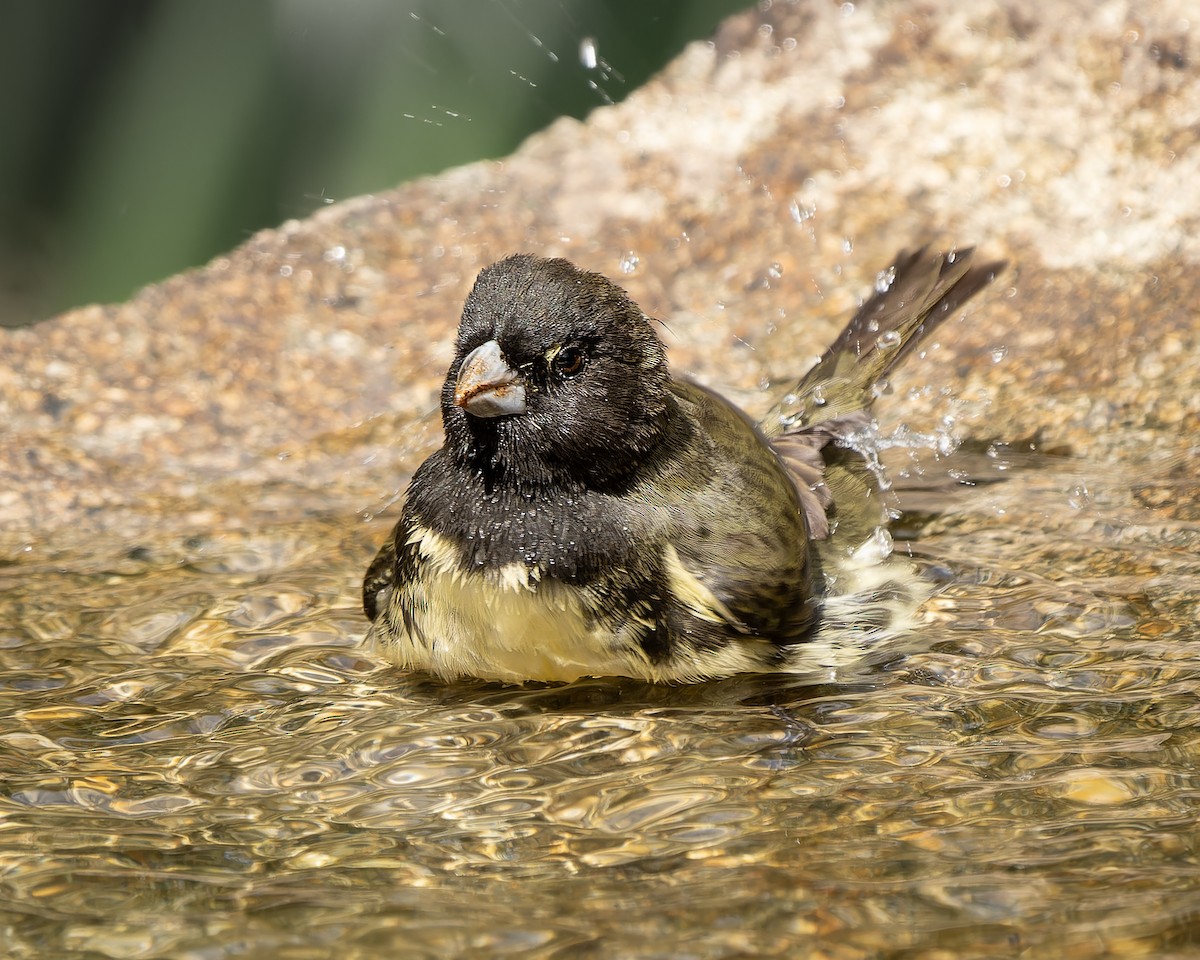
197,762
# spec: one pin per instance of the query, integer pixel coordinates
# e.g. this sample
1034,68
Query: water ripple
196,756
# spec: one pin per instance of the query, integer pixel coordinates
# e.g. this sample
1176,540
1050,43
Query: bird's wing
738,524
380,578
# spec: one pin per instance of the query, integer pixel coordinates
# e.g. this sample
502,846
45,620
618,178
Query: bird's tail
822,431
911,299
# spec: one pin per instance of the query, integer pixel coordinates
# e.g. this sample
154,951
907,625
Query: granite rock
748,197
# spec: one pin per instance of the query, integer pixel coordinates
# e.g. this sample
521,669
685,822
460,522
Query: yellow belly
512,624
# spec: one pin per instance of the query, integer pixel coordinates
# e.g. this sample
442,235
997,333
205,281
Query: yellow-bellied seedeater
591,514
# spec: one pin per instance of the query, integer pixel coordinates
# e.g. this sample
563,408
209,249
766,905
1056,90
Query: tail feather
823,434
823,431
914,296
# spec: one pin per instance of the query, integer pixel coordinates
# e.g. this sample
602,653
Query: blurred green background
142,137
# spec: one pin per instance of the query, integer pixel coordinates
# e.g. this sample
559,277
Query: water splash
884,279
801,212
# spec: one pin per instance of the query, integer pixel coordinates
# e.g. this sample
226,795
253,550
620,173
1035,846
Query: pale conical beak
487,386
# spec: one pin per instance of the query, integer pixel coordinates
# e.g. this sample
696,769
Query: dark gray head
557,375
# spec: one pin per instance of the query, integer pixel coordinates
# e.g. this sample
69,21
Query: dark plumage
591,514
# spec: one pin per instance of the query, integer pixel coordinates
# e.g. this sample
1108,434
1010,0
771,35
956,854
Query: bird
591,513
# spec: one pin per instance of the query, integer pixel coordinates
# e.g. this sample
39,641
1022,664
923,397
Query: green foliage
142,138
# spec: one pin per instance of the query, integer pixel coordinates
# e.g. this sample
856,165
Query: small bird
592,514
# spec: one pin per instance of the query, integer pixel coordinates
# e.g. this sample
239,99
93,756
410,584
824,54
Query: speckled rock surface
747,196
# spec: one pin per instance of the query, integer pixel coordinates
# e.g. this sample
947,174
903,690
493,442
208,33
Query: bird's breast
515,622
505,622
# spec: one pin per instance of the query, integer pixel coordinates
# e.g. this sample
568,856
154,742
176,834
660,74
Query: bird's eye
567,362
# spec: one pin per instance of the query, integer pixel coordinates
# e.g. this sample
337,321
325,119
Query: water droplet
888,340
629,263
285,270
999,353
1079,497
945,443
884,280
587,53
335,254
802,212
847,245
876,548
818,396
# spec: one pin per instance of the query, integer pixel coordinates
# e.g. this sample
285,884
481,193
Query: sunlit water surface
197,762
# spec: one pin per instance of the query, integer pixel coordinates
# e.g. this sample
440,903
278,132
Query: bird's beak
487,386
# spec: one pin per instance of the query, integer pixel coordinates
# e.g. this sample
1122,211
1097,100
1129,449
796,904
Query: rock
747,197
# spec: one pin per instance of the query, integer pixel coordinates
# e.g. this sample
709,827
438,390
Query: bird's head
557,374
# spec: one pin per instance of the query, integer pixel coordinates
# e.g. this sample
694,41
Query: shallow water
197,762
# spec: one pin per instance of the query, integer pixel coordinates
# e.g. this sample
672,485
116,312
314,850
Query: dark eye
567,362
